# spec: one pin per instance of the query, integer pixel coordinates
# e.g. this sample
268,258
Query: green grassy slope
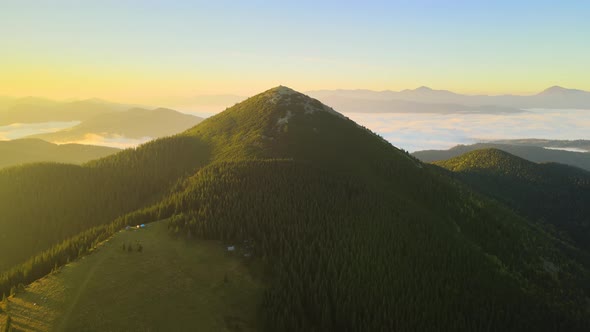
24,151
355,234
554,194
171,285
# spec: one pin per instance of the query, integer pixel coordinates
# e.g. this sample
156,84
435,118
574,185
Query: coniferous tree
8,324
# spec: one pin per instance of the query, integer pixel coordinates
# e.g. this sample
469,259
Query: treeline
44,204
49,260
348,256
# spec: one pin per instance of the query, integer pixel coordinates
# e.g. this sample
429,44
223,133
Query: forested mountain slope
548,193
532,153
42,204
355,234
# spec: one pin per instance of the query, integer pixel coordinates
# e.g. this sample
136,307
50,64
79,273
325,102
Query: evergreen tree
8,324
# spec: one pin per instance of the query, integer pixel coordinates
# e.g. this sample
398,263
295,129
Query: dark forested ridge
22,151
553,194
529,152
45,203
355,234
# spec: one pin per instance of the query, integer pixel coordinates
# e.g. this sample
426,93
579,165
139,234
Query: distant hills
101,122
135,123
33,110
350,232
23,151
527,149
426,100
550,193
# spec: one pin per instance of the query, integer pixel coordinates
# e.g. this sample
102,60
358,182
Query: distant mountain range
101,122
135,123
24,151
533,153
426,100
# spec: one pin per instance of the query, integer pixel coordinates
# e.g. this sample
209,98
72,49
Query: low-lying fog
414,132
20,130
411,132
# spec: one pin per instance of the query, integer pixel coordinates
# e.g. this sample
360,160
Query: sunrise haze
153,53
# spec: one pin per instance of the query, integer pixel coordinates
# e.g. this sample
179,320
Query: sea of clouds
414,132
20,130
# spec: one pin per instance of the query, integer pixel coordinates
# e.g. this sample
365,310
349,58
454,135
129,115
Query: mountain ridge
31,150
553,97
135,123
530,152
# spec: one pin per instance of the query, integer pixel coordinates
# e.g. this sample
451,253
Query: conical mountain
283,123
353,229
352,233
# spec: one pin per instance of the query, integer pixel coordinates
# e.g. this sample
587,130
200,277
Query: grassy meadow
169,285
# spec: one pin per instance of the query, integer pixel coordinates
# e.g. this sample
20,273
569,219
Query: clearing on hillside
170,285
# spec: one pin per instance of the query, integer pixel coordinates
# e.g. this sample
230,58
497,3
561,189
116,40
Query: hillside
68,199
184,285
24,151
552,194
134,123
532,153
353,233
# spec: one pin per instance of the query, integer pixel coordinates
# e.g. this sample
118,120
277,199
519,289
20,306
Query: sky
145,51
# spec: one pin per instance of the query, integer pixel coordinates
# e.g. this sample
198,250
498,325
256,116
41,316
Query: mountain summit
558,90
284,123
297,102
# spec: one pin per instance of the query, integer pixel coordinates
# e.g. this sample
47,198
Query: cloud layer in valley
20,130
415,132
114,141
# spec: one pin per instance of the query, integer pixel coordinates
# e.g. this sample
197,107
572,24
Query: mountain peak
294,101
558,90
423,89
283,90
